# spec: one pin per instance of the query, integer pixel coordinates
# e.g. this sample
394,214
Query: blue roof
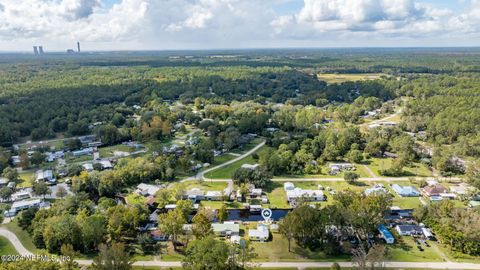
385,232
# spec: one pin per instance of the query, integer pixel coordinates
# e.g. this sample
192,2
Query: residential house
194,194
87,139
22,194
434,190
105,163
336,168
226,229
260,234
250,166
25,204
88,167
438,192
405,191
306,194
52,156
83,152
147,189
45,175
214,195
409,230
396,214
386,234
375,190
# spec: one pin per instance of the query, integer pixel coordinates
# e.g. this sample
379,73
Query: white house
105,163
408,230
307,194
226,229
25,204
146,189
45,175
22,194
213,195
250,166
260,234
83,152
88,167
194,194
338,167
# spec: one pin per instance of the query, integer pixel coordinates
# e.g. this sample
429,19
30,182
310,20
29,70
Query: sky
101,25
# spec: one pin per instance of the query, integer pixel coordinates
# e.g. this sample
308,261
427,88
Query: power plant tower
40,50
78,46
35,50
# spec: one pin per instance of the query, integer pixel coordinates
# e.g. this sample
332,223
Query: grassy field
205,185
416,169
26,178
340,78
6,248
276,195
108,151
276,250
405,250
227,171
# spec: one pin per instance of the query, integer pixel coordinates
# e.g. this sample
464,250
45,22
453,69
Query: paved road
335,179
422,265
15,241
201,175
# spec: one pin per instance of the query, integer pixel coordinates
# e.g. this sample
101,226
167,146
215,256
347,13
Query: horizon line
241,49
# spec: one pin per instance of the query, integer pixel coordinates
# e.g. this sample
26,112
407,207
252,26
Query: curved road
15,242
201,175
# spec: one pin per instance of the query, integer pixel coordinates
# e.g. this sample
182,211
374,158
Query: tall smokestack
78,46
40,50
35,50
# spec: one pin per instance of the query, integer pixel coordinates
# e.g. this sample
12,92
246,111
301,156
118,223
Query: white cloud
171,24
68,19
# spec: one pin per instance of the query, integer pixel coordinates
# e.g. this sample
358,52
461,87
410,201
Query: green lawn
108,151
218,204
26,178
406,250
416,169
6,248
276,195
227,171
135,199
205,185
222,159
276,250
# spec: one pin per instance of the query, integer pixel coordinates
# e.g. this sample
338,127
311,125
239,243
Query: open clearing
340,78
